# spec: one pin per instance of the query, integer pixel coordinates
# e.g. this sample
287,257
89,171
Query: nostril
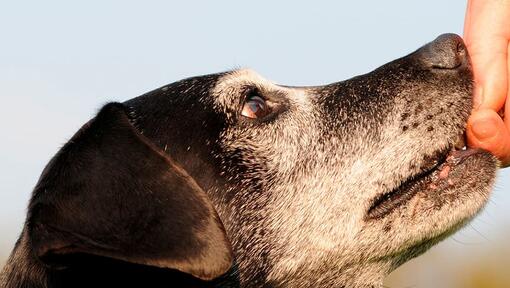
461,48
445,52
462,54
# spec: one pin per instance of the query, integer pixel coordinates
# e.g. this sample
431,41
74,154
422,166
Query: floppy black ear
110,192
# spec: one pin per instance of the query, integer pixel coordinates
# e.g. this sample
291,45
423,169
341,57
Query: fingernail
484,129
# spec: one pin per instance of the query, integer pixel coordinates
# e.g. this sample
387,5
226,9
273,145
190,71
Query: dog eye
255,107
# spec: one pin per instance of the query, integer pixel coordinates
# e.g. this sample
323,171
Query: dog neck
23,269
369,275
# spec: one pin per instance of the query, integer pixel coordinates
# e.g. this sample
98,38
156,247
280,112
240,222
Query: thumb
486,130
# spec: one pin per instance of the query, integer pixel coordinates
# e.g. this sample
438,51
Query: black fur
110,202
132,200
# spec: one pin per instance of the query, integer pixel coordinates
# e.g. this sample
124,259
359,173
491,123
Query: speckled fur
293,190
315,173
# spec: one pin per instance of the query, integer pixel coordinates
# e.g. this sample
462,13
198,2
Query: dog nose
445,52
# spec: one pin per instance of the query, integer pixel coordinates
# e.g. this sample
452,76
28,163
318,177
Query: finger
490,71
467,19
486,33
486,130
507,103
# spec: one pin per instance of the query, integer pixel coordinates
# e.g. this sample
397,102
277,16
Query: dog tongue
443,174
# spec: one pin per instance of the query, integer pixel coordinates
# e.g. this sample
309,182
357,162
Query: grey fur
297,214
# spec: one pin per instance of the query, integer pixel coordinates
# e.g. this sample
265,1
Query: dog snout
446,52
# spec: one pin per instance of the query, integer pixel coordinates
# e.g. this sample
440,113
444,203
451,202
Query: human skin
487,35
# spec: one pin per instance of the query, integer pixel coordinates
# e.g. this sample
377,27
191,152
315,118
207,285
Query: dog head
330,185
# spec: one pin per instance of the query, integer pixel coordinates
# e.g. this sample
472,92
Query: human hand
487,37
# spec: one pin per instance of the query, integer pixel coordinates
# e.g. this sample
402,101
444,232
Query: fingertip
486,130
483,126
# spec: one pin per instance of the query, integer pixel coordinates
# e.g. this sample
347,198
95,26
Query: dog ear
110,192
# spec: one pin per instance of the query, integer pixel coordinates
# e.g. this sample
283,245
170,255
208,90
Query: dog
229,180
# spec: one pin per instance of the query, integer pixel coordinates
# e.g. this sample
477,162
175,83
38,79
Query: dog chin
436,204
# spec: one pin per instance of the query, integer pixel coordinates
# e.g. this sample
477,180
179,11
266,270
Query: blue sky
61,60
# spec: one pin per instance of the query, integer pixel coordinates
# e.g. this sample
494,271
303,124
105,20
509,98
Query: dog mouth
433,175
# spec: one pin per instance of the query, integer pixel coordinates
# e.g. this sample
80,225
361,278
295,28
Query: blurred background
61,60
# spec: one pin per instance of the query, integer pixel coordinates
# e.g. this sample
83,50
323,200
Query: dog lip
436,168
385,203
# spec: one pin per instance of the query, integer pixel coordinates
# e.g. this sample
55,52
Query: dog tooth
460,143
